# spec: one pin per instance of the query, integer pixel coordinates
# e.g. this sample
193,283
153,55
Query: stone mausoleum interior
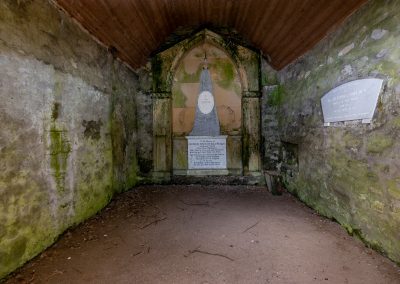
200,141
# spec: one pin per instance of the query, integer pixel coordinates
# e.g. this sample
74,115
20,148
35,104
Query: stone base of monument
202,173
218,180
207,155
210,172
159,178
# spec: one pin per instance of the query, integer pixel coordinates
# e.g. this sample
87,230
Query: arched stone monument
235,89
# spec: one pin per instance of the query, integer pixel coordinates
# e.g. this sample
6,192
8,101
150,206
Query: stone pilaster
251,133
162,141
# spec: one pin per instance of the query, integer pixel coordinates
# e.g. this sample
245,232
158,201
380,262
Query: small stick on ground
208,253
252,226
152,222
136,253
55,272
195,204
76,269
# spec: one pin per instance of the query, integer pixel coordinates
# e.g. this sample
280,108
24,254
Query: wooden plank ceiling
281,29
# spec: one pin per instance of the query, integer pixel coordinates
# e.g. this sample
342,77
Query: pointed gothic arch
164,67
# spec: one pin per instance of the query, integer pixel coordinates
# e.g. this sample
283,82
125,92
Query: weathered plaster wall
67,128
348,171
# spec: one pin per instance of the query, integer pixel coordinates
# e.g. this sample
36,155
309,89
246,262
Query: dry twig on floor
195,204
252,226
152,222
208,253
136,253
55,272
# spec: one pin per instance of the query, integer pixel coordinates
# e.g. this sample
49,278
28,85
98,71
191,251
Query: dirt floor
214,234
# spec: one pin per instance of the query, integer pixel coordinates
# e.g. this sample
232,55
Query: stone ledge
251,94
218,172
218,180
161,95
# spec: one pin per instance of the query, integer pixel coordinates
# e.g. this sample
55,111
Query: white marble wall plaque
353,100
206,152
205,102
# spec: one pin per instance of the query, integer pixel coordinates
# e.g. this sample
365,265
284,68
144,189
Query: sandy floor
215,234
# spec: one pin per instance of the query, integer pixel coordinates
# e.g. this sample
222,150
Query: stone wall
144,106
270,131
348,171
68,121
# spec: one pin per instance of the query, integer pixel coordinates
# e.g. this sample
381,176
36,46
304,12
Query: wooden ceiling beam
303,43
284,30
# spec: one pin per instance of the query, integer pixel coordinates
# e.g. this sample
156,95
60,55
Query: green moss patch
226,70
276,96
378,143
178,97
59,152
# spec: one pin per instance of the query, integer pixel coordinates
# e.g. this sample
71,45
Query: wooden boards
283,30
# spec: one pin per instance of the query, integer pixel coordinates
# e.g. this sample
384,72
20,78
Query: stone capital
251,94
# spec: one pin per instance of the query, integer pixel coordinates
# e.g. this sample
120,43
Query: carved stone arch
214,39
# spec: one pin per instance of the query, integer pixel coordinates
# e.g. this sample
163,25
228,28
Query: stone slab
206,152
353,100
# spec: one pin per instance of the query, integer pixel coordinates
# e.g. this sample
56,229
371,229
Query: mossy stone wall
348,171
67,128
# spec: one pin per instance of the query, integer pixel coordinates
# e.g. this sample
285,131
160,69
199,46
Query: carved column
251,133
162,136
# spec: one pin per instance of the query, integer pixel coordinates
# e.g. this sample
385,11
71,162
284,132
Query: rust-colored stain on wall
226,90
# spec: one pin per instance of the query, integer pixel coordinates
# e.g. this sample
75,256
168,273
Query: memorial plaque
353,100
205,102
206,152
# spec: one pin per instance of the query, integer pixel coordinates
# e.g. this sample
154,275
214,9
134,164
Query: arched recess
164,67
227,91
208,37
